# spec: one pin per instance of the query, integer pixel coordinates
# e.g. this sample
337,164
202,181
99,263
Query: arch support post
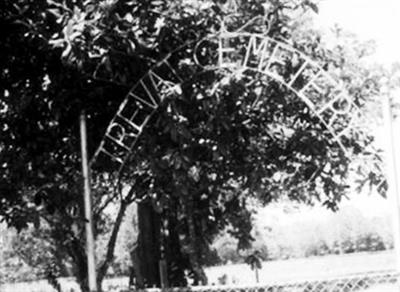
392,176
91,263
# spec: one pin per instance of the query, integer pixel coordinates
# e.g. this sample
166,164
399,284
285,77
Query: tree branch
113,239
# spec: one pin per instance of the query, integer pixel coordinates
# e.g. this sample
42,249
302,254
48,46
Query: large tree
42,94
222,139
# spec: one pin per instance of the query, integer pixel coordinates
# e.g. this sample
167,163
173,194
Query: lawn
317,268
308,268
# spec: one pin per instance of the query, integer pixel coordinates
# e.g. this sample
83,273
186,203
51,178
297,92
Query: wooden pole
91,263
393,175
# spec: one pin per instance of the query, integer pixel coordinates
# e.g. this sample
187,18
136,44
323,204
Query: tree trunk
200,277
176,261
79,259
101,273
148,249
146,256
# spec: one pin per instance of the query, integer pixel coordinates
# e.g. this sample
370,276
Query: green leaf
313,6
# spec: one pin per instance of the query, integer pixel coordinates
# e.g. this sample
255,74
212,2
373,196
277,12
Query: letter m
256,52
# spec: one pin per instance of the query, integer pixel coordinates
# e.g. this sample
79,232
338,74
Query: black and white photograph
200,146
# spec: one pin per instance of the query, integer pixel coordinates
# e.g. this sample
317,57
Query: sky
377,20
369,19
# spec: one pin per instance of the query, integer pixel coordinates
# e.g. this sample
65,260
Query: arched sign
232,52
322,93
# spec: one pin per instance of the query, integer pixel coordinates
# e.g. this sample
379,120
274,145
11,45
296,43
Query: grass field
308,268
318,268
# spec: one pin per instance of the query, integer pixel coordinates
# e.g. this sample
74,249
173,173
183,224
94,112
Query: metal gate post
392,176
90,253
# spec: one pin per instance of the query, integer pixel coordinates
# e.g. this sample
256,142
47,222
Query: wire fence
383,281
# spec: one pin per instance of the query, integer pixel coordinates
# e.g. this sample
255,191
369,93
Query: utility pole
91,263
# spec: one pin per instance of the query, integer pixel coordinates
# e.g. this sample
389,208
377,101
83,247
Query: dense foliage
207,150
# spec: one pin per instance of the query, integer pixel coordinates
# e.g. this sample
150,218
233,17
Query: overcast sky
369,19
378,20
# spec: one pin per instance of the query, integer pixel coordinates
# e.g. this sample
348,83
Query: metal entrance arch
235,52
